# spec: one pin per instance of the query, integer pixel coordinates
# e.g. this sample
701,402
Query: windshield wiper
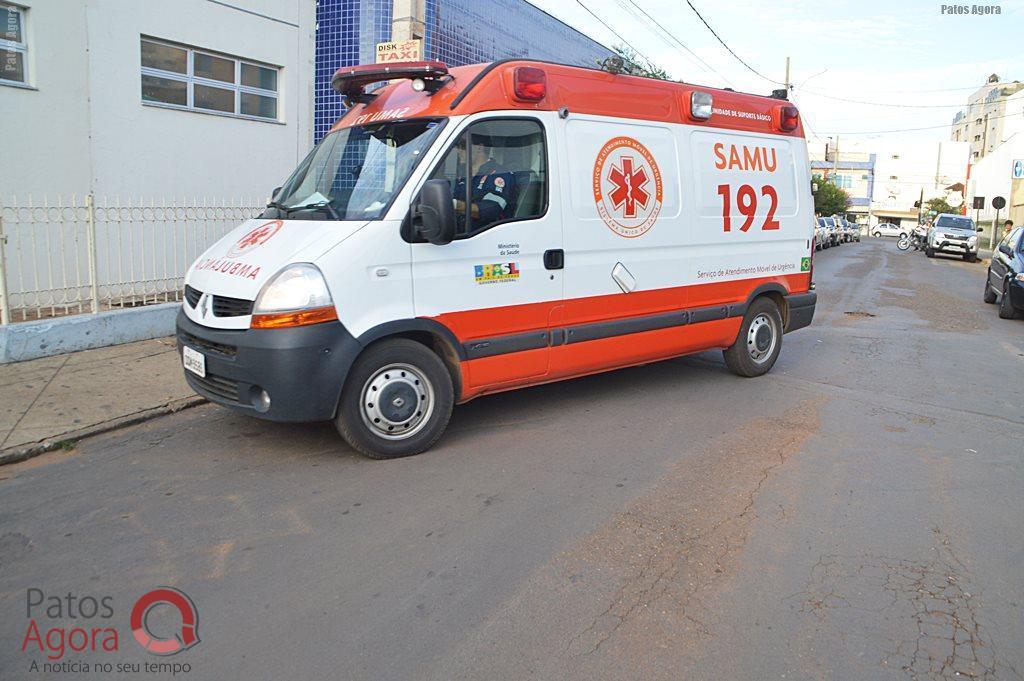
320,205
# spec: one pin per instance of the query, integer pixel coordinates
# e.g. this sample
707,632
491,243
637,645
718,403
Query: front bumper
801,310
947,246
302,369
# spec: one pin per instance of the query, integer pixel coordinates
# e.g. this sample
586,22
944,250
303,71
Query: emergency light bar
350,81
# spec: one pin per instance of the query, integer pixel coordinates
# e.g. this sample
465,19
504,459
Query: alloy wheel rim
397,401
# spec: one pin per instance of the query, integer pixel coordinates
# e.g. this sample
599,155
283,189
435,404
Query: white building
901,171
981,123
188,98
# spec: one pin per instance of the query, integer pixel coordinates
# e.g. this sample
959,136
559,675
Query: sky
885,53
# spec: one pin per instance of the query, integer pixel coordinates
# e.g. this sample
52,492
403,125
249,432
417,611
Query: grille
223,306
216,385
192,295
231,307
209,346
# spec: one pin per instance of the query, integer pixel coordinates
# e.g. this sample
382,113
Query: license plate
193,360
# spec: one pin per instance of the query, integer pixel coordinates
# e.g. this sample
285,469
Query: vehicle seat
530,194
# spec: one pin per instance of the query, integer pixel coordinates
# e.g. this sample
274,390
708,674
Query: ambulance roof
489,87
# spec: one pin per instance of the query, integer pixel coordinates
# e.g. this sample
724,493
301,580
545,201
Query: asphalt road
857,513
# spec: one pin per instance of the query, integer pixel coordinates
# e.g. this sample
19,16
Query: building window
12,45
895,157
191,78
843,181
977,138
893,177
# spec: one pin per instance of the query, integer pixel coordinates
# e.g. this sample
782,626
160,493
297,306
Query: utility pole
409,20
920,206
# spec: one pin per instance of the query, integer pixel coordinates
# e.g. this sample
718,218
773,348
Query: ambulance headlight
296,287
700,105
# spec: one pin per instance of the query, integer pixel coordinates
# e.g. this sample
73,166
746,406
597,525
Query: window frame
455,141
20,47
191,80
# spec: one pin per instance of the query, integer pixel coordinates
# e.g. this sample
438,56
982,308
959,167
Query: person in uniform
493,188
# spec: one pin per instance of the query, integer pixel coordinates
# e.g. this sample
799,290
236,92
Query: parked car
1005,277
822,238
846,230
889,229
954,234
854,232
833,230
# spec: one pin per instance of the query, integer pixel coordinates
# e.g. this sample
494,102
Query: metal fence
86,254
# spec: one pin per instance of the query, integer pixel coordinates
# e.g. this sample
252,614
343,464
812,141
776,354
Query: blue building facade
458,32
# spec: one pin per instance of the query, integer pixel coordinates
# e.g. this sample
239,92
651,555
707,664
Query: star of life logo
627,187
254,238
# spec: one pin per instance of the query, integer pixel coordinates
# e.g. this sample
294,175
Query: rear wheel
397,400
929,251
1006,310
990,295
759,341
877,234
970,257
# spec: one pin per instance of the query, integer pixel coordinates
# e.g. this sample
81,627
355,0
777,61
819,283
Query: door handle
554,259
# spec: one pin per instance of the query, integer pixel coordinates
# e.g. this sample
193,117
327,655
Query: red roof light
787,117
350,81
530,84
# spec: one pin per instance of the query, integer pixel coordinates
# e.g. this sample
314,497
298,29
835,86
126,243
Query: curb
24,452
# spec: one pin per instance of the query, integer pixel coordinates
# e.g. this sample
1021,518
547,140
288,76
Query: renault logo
205,305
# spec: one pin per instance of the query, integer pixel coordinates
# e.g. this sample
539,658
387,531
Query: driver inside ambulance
493,186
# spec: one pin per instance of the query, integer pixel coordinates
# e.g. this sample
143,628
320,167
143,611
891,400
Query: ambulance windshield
354,173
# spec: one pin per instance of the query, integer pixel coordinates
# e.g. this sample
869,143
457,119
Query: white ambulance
468,231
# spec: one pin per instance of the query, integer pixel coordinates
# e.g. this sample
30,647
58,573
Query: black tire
929,251
990,295
1006,310
410,360
877,234
754,353
970,257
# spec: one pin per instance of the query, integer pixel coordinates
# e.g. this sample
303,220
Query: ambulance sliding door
625,237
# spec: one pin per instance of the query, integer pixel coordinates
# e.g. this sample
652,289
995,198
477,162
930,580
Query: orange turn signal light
283,320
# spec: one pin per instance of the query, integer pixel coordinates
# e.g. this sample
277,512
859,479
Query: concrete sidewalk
46,402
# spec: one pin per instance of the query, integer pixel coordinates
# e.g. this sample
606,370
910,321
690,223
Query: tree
939,205
629,62
829,199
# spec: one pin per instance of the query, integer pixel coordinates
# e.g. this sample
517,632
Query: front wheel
759,341
929,251
970,257
396,401
903,244
1006,310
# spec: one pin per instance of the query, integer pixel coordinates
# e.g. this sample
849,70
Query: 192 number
746,202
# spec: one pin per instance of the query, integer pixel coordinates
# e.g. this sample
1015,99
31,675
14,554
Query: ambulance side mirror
433,214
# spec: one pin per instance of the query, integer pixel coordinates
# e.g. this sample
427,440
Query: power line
729,49
679,42
615,33
907,106
930,127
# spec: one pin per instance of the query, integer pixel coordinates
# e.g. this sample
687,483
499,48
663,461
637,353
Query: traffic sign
979,202
999,203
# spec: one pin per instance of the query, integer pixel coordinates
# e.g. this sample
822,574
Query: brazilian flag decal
805,264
